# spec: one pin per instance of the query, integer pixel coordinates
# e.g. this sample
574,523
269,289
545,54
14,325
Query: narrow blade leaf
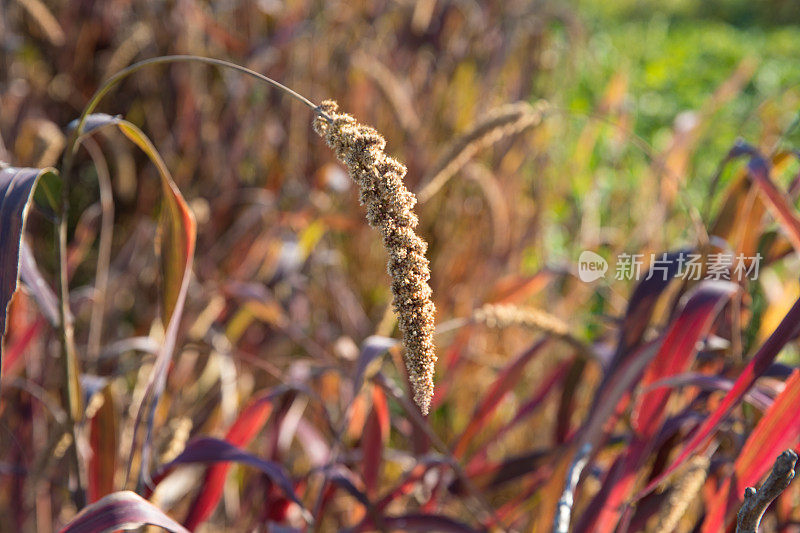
121,510
240,434
778,429
211,450
16,188
674,356
761,361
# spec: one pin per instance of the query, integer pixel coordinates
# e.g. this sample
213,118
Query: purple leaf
121,510
211,450
16,188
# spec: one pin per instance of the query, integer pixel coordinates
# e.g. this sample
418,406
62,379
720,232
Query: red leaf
373,441
631,358
775,200
778,430
102,464
674,356
760,397
785,331
15,350
240,434
677,352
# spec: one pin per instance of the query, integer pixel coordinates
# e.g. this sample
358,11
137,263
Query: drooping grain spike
390,207
502,316
501,123
681,495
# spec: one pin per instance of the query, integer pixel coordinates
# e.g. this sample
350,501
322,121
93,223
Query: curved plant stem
162,60
72,389
72,145
74,397
104,250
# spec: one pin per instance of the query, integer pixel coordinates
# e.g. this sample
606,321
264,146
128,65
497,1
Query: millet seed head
389,206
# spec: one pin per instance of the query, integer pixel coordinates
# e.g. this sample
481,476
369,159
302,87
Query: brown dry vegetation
284,347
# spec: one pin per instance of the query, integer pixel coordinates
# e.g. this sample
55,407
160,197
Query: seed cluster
503,316
501,123
682,494
500,316
390,211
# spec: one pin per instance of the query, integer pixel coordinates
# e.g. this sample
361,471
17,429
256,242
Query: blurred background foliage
648,98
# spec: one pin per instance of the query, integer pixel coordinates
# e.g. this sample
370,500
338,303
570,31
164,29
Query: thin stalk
103,252
74,398
72,146
124,73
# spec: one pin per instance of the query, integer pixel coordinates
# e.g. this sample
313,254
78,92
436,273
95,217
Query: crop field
400,265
